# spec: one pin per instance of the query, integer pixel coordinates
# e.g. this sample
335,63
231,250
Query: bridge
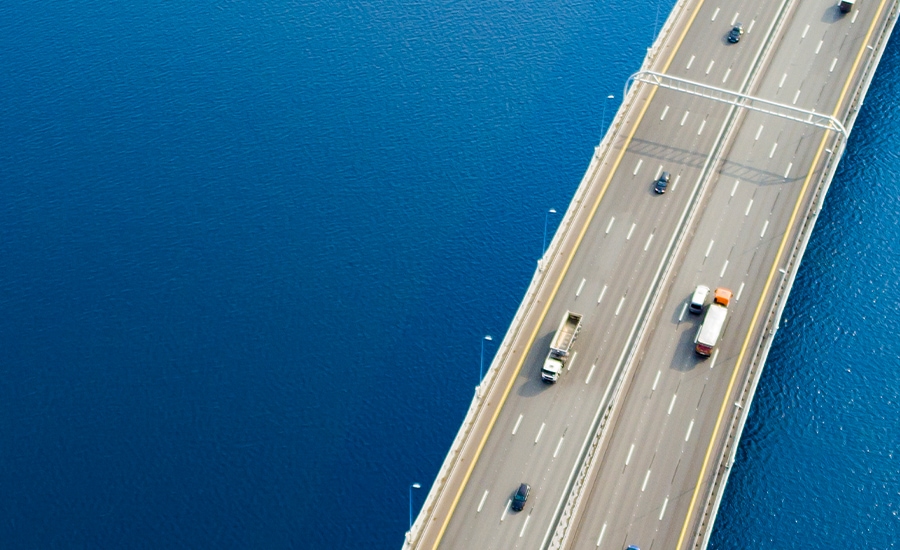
634,444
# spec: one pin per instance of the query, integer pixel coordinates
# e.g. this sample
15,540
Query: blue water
248,252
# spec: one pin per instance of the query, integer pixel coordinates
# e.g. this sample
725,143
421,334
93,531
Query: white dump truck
560,346
713,323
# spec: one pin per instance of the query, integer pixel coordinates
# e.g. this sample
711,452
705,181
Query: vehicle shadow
531,370
833,14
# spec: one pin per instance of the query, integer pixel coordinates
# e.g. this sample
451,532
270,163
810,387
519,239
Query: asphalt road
738,179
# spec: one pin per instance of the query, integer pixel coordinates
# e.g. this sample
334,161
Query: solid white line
819,47
581,286
750,28
524,525
630,231
558,445
709,68
650,238
772,152
805,30
503,517
736,182
796,96
712,361
788,171
646,478
783,78
724,267
600,538
690,62
688,435
763,232
708,248
735,18
608,227
672,404
747,211
658,172
666,110
540,432
702,124
621,301
683,310
833,63
602,292
516,427
727,72
715,14
683,118
638,167
590,374
738,296
656,380
481,504
675,183
853,19
663,511
758,132
628,458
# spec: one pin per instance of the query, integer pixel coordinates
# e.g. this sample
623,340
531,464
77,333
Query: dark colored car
662,183
735,35
518,501
632,547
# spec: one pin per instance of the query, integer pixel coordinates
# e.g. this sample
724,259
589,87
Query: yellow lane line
559,282
772,271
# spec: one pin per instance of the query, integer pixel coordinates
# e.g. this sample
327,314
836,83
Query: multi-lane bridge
633,445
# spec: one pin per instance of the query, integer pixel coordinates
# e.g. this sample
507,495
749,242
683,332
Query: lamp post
481,374
546,217
603,118
411,487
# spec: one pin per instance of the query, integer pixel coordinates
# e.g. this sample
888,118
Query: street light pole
411,487
481,374
603,118
546,217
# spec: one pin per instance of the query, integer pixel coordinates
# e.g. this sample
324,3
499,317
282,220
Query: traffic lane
580,285
745,215
523,388
723,221
706,56
817,53
638,457
732,233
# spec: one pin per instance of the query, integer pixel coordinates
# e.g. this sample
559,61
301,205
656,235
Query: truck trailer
560,346
713,323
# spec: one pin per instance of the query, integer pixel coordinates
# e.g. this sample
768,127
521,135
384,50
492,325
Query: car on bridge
735,35
662,183
521,497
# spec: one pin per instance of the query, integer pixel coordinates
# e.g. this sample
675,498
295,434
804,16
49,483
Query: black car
735,35
518,501
662,183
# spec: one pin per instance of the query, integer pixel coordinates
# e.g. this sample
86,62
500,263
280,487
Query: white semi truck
713,323
560,346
